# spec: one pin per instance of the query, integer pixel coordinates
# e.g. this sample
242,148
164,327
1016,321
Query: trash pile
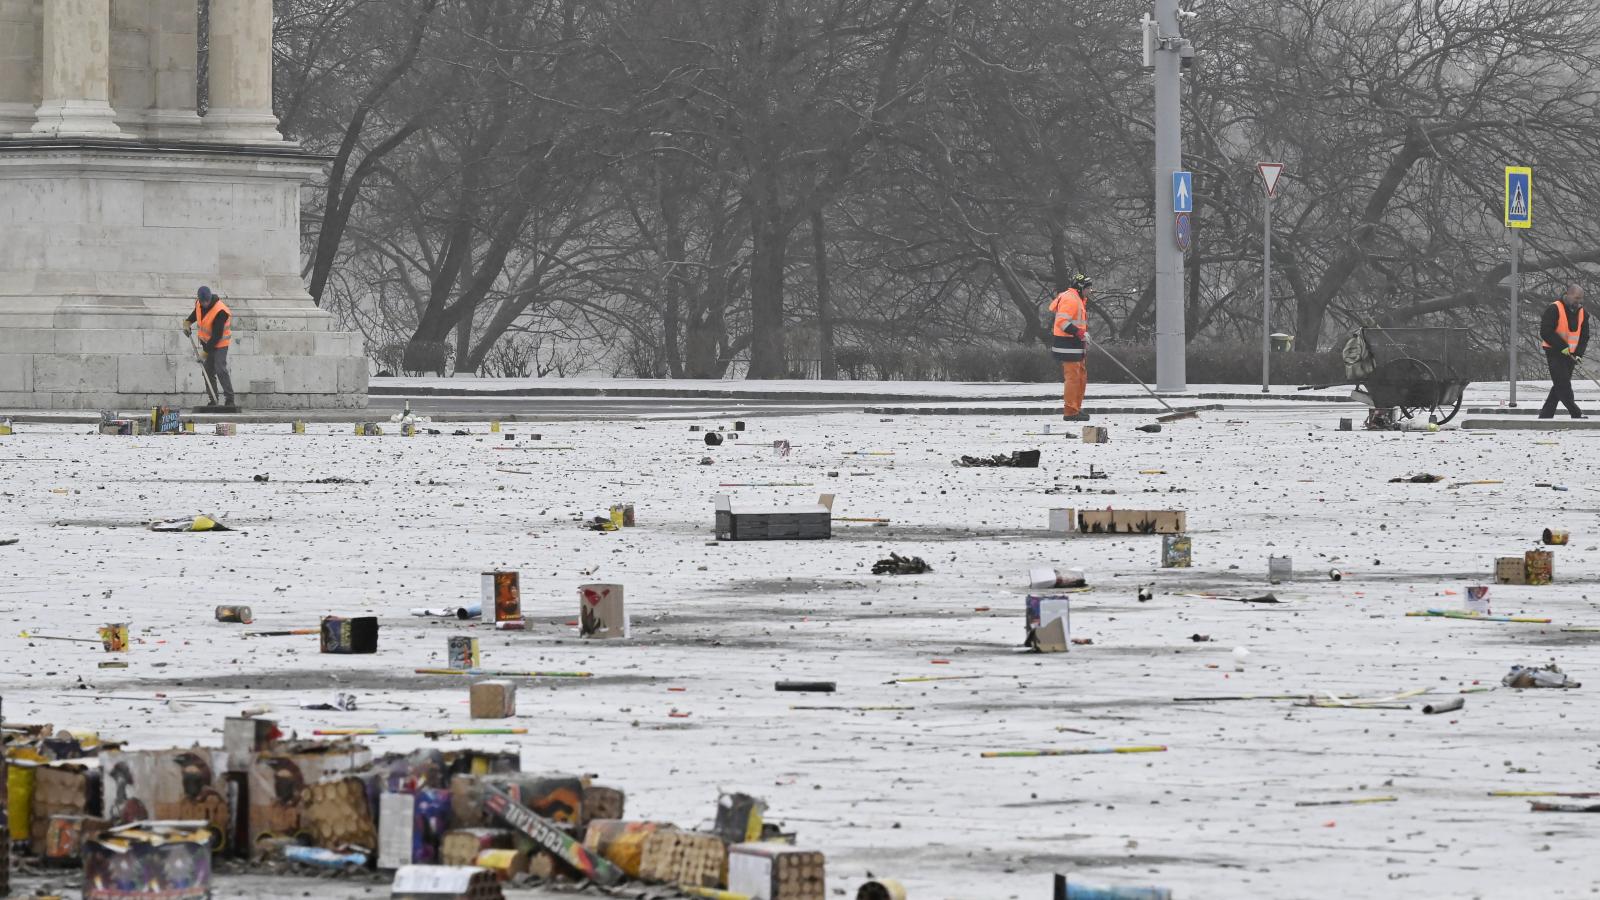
901,565
148,823
1018,459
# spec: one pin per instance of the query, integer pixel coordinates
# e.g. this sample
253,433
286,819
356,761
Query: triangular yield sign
1270,173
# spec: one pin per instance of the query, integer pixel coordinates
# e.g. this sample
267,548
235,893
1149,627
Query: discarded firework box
776,872
461,652
1279,569
1062,521
786,524
461,846
493,699
243,738
66,835
1511,570
1046,578
1556,537
349,635
227,429
411,826
602,614
62,789
114,637
158,860
278,779
1177,552
18,800
506,863
337,814
685,857
502,592
1049,624
740,818
1540,566
550,837
5,817
1132,521
445,883
1477,600
171,785
601,802
1066,889
482,762
165,420
622,843
1095,434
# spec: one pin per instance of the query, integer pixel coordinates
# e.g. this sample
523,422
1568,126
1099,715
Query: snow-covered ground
890,780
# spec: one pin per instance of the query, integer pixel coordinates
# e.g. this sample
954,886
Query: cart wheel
1405,375
1453,410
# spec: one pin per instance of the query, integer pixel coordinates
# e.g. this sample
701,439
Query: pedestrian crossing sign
1519,197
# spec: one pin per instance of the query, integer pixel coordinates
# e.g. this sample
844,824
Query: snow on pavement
896,787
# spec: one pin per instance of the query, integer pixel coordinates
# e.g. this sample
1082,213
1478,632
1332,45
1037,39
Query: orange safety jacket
205,321
1567,332
1071,325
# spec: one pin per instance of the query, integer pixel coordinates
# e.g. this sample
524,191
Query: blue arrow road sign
1183,192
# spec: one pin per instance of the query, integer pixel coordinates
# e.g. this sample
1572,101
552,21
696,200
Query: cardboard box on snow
494,700
1132,521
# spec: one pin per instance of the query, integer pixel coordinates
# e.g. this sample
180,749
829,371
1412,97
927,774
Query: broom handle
1133,376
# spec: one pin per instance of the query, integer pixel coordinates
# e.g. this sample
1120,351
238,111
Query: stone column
240,76
173,59
77,71
19,65
132,81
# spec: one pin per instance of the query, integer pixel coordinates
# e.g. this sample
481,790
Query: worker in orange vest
1565,330
214,321
1069,344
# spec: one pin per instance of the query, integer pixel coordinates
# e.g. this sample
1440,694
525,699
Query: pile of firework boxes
148,822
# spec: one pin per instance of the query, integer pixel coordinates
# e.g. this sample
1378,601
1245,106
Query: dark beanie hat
205,294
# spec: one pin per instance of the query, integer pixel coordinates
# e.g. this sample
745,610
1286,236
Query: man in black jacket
1565,332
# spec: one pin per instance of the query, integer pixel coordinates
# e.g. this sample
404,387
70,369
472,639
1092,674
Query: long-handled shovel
1172,415
199,357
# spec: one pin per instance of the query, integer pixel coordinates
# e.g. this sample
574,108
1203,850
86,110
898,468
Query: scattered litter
1264,598
1444,706
1357,801
1021,754
901,565
471,611
1475,617
1019,459
1556,536
340,703
1549,676
1076,889
1152,428
1420,478
1539,806
818,687
198,523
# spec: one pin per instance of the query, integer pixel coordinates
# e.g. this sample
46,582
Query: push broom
1172,414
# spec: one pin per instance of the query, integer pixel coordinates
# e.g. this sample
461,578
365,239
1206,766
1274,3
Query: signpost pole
1266,298
1516,284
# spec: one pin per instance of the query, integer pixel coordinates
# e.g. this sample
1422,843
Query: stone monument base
102,246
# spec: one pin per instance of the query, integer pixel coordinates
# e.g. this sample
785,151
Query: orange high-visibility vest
1071,310
204,322
1568,333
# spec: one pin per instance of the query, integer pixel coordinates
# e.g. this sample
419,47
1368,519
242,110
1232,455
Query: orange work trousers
1074,380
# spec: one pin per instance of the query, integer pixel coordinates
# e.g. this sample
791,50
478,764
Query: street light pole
1167,54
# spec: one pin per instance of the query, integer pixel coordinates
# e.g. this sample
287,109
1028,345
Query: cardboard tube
1444,706
1556,536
